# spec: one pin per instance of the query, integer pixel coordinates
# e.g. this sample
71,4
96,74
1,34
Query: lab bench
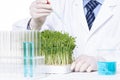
68,76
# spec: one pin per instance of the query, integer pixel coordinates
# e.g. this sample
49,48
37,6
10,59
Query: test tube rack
12,54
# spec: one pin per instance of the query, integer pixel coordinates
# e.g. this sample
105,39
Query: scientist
94,23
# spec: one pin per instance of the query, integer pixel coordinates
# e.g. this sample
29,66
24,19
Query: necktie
90,16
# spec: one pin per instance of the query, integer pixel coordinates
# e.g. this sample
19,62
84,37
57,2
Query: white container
56,69
41,67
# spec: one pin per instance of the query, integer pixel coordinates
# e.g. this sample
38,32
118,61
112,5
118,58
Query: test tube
31,58
26,49
28,58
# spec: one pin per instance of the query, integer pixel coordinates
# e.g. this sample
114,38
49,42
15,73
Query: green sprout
57,47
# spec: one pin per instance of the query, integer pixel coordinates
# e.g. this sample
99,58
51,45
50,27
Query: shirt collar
86,1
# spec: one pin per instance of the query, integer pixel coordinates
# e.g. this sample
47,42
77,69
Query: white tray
54,69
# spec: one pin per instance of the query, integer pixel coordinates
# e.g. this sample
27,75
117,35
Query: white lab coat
68,16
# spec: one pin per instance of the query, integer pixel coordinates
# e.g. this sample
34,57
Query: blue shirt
96,10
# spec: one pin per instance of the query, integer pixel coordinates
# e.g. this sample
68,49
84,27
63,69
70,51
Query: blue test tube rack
28,59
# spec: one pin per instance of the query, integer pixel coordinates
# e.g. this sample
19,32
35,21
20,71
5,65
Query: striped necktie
90,16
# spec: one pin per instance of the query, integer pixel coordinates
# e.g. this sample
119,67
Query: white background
12,11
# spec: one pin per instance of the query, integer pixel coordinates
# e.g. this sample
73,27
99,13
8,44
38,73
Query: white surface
82,76
70,76
16,72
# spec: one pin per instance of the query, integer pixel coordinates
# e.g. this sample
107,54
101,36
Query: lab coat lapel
78,13
104,15
82,17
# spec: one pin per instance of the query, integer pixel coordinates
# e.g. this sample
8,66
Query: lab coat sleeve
21,24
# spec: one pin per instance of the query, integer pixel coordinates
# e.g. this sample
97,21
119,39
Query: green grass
57,47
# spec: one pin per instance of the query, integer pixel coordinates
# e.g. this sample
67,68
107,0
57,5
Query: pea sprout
57,47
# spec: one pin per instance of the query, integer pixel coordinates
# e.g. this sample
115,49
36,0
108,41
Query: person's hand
39,10
84,64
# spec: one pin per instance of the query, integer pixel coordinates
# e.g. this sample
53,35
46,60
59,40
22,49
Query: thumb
73,66
41,1
48,2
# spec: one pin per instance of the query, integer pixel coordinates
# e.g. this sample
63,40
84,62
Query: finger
39,11
81,57
40,15
78,65
84,67
73,66
43,6
78,59
33,4
74,63
44,11
40,5
41,1
91,68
